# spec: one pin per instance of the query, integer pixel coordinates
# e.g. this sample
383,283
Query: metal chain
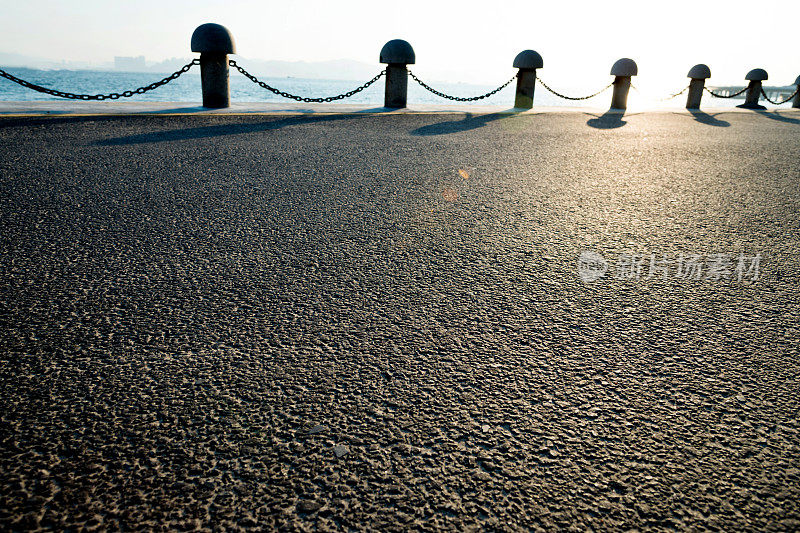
571,97
301,98
712,93
764,94
111,96
458,98
674,95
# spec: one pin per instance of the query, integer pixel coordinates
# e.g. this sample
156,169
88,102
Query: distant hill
341,69
20,60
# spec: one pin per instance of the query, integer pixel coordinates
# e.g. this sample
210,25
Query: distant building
129,63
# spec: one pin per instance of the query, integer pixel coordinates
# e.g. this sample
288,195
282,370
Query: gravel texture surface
367,322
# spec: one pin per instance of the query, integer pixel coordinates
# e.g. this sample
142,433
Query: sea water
187,89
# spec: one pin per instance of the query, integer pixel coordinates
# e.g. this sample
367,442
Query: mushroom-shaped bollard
527,62
396,54
623,69
214,42
755,77
699,74
796,101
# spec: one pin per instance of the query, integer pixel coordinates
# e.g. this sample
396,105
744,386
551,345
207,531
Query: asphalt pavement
424,321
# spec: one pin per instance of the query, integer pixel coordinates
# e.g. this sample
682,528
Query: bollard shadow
774,115
469,122
609,120
220,130
381,110
708,120
180,110
210,111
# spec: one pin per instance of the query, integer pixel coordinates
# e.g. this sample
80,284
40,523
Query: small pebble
308,506
340,451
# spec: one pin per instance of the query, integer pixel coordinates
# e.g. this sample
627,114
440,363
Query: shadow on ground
469,122
220,130
609,120
709,120
774,115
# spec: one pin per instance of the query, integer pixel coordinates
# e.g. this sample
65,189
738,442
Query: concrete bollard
623,69
699,74
396,54
755,77
527,62
796,101
214,42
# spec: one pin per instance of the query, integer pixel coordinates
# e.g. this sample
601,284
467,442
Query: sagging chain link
715,95
284,94
458,98
764,94
670,97
565,97
112,96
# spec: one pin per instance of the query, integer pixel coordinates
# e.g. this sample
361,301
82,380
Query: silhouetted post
623,69
396,54
796,101
755,76
214,42
527,62
699,74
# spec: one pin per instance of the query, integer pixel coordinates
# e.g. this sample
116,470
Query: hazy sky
454,41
